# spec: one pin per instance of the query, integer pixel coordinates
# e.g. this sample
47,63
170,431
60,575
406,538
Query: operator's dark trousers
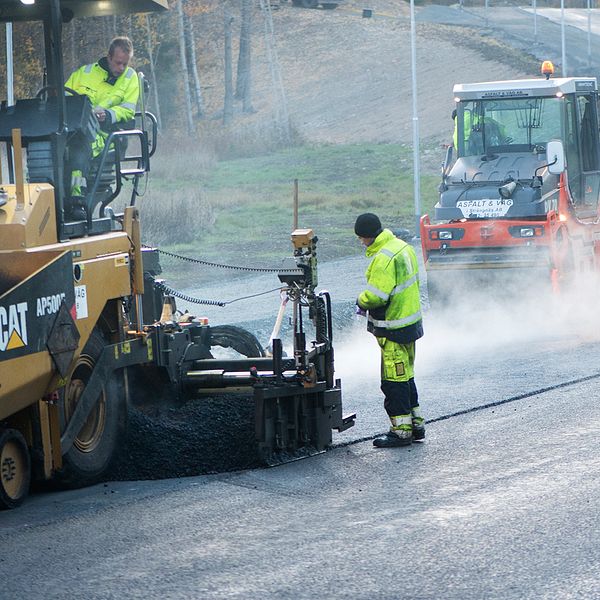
400,397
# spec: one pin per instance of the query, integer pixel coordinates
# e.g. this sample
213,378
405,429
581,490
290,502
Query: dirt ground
346,78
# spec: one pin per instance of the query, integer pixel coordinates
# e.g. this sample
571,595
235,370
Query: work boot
393,439
77,210
418,432
418,424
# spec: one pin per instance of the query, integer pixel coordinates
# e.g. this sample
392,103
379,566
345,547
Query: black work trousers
400,397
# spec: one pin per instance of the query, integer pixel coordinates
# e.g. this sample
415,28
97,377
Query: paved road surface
498,503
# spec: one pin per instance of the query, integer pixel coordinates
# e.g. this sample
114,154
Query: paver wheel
329,5
240,340
310,3
15,468
97,442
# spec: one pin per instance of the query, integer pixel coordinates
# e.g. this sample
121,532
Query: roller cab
518,200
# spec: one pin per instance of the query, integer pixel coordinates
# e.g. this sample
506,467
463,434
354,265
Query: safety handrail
112,144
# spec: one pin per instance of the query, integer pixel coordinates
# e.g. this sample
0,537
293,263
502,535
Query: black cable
172,292
277,289
219,265
169,291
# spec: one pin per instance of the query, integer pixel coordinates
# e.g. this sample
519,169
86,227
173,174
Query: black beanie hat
368,225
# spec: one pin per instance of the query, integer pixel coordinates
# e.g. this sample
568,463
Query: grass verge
241,211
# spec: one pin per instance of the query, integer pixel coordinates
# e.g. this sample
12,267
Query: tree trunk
228,102
150,51
106,30
184,68
244,68
282,117
129,28
194,68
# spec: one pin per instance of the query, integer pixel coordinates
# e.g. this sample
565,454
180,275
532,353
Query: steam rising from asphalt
356,355
477,326
483,322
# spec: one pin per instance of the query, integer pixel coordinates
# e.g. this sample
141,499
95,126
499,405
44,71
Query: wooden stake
295,205
19,175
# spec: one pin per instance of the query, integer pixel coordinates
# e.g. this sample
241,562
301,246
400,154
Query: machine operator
113,89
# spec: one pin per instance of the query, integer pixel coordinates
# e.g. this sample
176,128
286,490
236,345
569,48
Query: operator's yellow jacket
118,95
392,294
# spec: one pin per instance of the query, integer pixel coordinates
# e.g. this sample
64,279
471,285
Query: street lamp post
535,32
415,120
562,38
10,92
589,32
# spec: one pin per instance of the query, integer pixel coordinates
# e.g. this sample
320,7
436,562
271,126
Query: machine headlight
445,235
526,232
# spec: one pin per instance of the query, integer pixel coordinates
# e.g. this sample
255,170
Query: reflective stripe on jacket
119,98
392,293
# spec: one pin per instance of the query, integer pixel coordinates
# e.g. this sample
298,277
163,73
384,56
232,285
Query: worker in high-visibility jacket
113,89
392,301
495,132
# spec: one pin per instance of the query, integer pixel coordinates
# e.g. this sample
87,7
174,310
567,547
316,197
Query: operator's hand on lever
104,118
100,114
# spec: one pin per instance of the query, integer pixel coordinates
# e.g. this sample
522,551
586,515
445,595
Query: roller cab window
506,125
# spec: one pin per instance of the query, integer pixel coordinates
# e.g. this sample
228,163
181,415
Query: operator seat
37,118
478,143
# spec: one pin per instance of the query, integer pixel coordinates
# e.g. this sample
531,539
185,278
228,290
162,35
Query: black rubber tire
15,463
240,340
98,441
297,2
329,5
310,3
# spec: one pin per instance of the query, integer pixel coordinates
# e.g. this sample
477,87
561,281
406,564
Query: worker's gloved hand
100,113
359,311
106,123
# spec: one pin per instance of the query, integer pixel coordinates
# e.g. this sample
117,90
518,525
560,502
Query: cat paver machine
81,309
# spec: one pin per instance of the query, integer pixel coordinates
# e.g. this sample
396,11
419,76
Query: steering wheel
48,88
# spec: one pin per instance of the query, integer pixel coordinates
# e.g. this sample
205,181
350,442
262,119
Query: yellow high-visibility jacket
119,96
392,294
495,131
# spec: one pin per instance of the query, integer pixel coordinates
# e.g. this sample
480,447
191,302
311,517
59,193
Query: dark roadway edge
466,411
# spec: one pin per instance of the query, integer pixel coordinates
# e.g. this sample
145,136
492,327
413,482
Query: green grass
241,211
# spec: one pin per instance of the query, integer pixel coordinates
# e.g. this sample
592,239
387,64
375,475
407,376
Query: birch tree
228,101
152,64
184,67
244,68
194,67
